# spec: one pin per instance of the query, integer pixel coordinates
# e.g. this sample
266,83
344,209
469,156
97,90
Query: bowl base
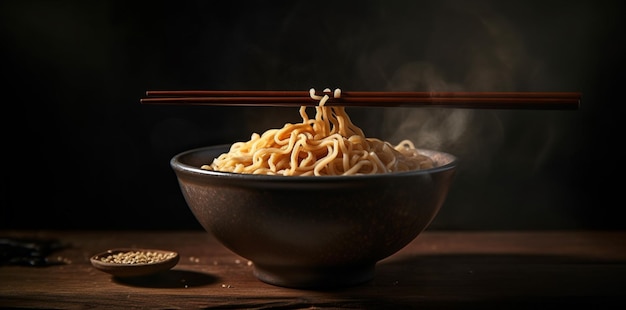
314,277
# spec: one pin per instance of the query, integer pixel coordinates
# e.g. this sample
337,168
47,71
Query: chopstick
469,100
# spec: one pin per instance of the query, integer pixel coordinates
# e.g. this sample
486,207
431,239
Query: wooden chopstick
470,100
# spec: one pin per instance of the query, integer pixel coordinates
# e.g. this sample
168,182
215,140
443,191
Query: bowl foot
314,277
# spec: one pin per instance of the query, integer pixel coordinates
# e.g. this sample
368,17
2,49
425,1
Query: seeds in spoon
137,257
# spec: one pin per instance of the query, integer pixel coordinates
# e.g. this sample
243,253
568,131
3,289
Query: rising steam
487,54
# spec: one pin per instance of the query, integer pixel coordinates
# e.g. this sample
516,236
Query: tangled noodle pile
329,144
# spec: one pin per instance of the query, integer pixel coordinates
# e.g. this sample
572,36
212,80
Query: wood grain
438,269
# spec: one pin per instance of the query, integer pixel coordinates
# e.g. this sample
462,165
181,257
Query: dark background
79,151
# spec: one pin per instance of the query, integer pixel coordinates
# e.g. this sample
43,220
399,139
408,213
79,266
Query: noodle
329,144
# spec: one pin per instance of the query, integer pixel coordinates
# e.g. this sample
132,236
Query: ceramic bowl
313,231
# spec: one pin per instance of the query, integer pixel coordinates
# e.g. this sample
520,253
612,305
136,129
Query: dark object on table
28,251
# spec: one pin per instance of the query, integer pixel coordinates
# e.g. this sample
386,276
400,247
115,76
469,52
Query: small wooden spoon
132,262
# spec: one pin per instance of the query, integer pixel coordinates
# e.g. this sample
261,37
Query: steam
481,52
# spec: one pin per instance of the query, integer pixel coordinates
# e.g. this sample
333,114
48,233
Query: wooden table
439,269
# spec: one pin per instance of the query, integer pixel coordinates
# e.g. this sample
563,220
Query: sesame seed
137,257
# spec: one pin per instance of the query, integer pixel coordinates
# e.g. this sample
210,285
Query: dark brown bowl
313,231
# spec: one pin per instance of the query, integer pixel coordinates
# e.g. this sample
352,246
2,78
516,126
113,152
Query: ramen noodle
329,144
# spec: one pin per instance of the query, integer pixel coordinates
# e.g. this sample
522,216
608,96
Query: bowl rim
178,165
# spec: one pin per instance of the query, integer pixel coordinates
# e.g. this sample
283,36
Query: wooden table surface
439,269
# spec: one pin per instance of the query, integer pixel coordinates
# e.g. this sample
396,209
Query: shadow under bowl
313,231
